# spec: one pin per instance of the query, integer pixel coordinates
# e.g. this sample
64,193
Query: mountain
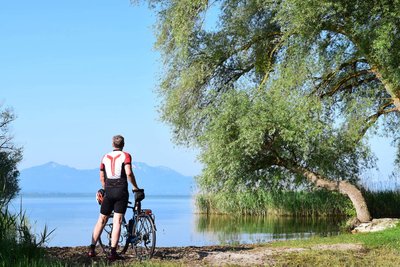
56,178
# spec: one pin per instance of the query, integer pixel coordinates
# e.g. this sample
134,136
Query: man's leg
98,228
117,221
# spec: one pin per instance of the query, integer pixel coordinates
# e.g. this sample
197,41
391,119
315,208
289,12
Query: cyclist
115,171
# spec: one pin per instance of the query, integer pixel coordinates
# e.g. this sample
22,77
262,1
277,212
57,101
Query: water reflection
73,218
252,229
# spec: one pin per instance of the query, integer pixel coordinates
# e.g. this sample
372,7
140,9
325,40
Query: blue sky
78,72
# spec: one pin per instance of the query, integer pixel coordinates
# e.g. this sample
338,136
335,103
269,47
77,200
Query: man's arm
131,176
102,179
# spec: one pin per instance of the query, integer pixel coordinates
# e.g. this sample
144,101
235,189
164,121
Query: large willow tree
281,91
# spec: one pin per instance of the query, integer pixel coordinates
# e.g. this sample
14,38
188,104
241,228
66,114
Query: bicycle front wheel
105,238
145,237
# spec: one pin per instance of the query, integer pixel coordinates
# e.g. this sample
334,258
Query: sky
77,72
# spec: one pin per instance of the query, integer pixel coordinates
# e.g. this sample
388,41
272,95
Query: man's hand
139,194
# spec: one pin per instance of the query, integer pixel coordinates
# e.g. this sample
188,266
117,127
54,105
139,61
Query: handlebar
139,196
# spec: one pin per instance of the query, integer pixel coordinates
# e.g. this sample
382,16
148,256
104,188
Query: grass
298,203
18,245
285,203
378,257
389,238
381,249
383,204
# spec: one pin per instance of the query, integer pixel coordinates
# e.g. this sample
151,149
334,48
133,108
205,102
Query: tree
10,156
281,89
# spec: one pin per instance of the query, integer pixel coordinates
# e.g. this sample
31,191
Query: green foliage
287,203
280,85
329,44
10,156
8,176
18,245
383,204
247,137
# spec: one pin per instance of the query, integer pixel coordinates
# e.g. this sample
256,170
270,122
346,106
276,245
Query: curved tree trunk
343,187
392,90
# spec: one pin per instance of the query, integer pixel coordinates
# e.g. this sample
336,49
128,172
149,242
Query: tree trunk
390,88
343,187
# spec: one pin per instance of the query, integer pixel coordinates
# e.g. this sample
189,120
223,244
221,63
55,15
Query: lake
73,218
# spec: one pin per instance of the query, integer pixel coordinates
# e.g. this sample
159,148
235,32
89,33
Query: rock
351,224
376,225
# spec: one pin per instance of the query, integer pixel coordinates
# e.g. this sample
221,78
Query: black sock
113,250
92,246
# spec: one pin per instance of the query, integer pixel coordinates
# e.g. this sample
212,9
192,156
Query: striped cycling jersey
113,165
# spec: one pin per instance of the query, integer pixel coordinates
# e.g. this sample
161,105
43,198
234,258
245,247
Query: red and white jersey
113,164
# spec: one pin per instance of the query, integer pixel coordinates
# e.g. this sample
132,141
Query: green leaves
10,156
304,82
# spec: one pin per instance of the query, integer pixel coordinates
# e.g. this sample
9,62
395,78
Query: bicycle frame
136,213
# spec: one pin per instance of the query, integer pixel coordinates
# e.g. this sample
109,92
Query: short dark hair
118,141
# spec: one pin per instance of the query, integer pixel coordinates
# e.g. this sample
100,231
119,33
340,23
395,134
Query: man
115,171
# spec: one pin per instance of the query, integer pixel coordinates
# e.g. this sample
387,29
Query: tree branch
329,77
339,84
373,118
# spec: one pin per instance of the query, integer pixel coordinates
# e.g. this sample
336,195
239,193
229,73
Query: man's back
113,165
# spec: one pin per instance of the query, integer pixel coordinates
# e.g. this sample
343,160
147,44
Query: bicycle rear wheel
145,237
105,238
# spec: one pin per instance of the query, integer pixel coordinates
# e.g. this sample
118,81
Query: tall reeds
18,245
383,204
285,203
298,203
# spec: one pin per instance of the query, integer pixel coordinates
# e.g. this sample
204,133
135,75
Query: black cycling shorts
115,199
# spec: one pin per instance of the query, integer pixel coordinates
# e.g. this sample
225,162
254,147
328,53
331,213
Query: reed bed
383,204
283,203
298,203
18,245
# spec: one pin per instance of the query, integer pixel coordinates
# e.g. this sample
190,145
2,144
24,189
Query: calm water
73,218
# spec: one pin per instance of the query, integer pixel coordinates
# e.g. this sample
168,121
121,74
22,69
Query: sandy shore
240,255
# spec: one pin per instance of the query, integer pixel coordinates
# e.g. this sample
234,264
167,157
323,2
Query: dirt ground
239,255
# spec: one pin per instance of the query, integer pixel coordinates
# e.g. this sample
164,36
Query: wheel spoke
145,233
105,238
142,237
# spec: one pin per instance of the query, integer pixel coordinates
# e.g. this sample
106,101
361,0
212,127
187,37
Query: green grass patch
377,257
389,239
379,249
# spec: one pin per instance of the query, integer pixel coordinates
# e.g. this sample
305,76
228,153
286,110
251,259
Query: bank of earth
381,248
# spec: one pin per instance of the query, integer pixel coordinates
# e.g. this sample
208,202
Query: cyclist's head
118,141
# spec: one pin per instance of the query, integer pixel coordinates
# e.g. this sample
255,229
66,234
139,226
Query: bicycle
139,232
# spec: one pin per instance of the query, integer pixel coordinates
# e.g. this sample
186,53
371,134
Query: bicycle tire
105,238
145,234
